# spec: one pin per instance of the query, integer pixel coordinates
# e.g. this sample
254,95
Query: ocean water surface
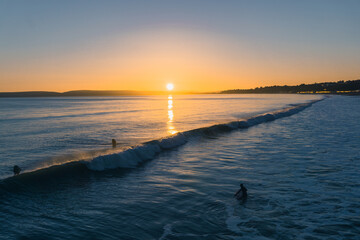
178,163
40,132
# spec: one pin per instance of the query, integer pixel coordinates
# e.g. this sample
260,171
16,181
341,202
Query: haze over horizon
196,45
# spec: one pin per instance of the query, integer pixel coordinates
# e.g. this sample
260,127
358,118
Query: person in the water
113,142
16,170
241,193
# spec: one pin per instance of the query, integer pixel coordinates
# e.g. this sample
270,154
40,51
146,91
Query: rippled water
302,175
38,132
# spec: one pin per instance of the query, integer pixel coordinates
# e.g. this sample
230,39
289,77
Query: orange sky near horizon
147,61
257,48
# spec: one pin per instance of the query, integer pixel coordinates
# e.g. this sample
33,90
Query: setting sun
170,86
88,88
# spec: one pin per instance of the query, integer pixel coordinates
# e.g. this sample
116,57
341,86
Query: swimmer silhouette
241,193
16,170
113,142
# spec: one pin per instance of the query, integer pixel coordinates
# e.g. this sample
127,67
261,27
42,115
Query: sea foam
132,157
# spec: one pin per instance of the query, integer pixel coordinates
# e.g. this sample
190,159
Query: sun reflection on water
170,126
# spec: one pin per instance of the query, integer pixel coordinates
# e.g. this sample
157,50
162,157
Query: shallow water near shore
301,172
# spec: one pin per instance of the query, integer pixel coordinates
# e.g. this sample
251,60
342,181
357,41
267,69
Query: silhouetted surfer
113,142
241,193
16,170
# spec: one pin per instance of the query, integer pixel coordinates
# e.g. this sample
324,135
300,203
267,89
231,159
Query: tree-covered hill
352,86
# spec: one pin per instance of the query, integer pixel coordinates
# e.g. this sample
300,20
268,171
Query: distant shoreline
80,93
351,87
44,95
340,87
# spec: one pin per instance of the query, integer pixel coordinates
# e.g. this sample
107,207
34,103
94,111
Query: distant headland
80,93
340,87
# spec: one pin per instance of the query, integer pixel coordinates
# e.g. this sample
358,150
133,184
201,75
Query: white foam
232,221
132,157
147,151
172,141
167,231
125,159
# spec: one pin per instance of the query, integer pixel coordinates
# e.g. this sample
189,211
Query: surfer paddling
16,170
113,143
241,193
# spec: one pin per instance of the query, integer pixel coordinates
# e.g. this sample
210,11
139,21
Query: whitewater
42,132
178,161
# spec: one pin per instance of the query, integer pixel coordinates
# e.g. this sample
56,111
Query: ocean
177,164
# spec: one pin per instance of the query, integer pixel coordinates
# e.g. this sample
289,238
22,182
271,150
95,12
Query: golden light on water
169,86
171,128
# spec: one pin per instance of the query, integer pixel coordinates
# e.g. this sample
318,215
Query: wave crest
132,157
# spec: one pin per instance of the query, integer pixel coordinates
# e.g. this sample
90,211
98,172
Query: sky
49,45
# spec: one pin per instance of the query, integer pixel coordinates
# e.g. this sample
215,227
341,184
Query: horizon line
164,92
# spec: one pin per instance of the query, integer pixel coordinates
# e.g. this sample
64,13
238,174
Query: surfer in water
113,143
241,193
16,170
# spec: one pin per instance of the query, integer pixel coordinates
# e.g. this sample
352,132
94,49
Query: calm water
37,132
301,171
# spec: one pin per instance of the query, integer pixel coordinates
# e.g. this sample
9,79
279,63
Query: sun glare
170,86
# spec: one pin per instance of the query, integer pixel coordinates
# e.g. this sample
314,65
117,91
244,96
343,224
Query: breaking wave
136,155
132,157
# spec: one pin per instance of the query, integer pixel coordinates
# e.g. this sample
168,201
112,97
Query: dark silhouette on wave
16,170
81,172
